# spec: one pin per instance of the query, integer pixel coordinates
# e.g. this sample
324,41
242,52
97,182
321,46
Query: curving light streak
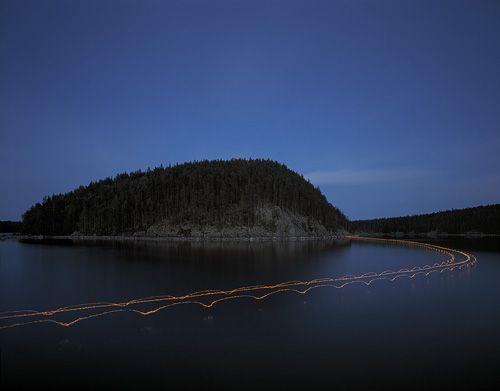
209,298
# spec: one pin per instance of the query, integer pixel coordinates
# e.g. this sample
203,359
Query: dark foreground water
428,332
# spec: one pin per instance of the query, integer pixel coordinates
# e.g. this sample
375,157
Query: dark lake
427,332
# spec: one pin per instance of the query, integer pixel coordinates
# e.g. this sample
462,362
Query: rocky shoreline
137,238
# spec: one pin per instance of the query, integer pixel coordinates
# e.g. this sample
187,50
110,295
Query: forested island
470,221
234,198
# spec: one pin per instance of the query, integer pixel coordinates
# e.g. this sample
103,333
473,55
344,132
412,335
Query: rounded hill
220,198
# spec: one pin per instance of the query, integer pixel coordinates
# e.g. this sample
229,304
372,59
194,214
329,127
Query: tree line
8,226
219,192
485,219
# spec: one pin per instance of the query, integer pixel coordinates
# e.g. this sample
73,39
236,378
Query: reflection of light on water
209,298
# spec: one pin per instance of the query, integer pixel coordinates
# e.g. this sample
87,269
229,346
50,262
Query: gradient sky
390,107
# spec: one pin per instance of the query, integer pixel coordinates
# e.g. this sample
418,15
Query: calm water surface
433,332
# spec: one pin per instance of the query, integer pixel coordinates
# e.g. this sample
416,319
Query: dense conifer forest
485,219
7,226
221,193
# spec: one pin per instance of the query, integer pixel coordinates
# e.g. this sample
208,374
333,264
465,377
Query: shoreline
214,239
424,235
123,238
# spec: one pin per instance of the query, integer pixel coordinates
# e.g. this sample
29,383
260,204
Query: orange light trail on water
254,292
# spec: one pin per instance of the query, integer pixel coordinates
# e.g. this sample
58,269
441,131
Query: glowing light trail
254,292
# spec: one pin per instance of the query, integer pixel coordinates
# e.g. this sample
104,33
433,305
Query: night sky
390,107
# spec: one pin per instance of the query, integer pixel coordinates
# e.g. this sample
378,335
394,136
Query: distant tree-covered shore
483,219
8,226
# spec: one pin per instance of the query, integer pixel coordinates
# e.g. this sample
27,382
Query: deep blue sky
391,107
